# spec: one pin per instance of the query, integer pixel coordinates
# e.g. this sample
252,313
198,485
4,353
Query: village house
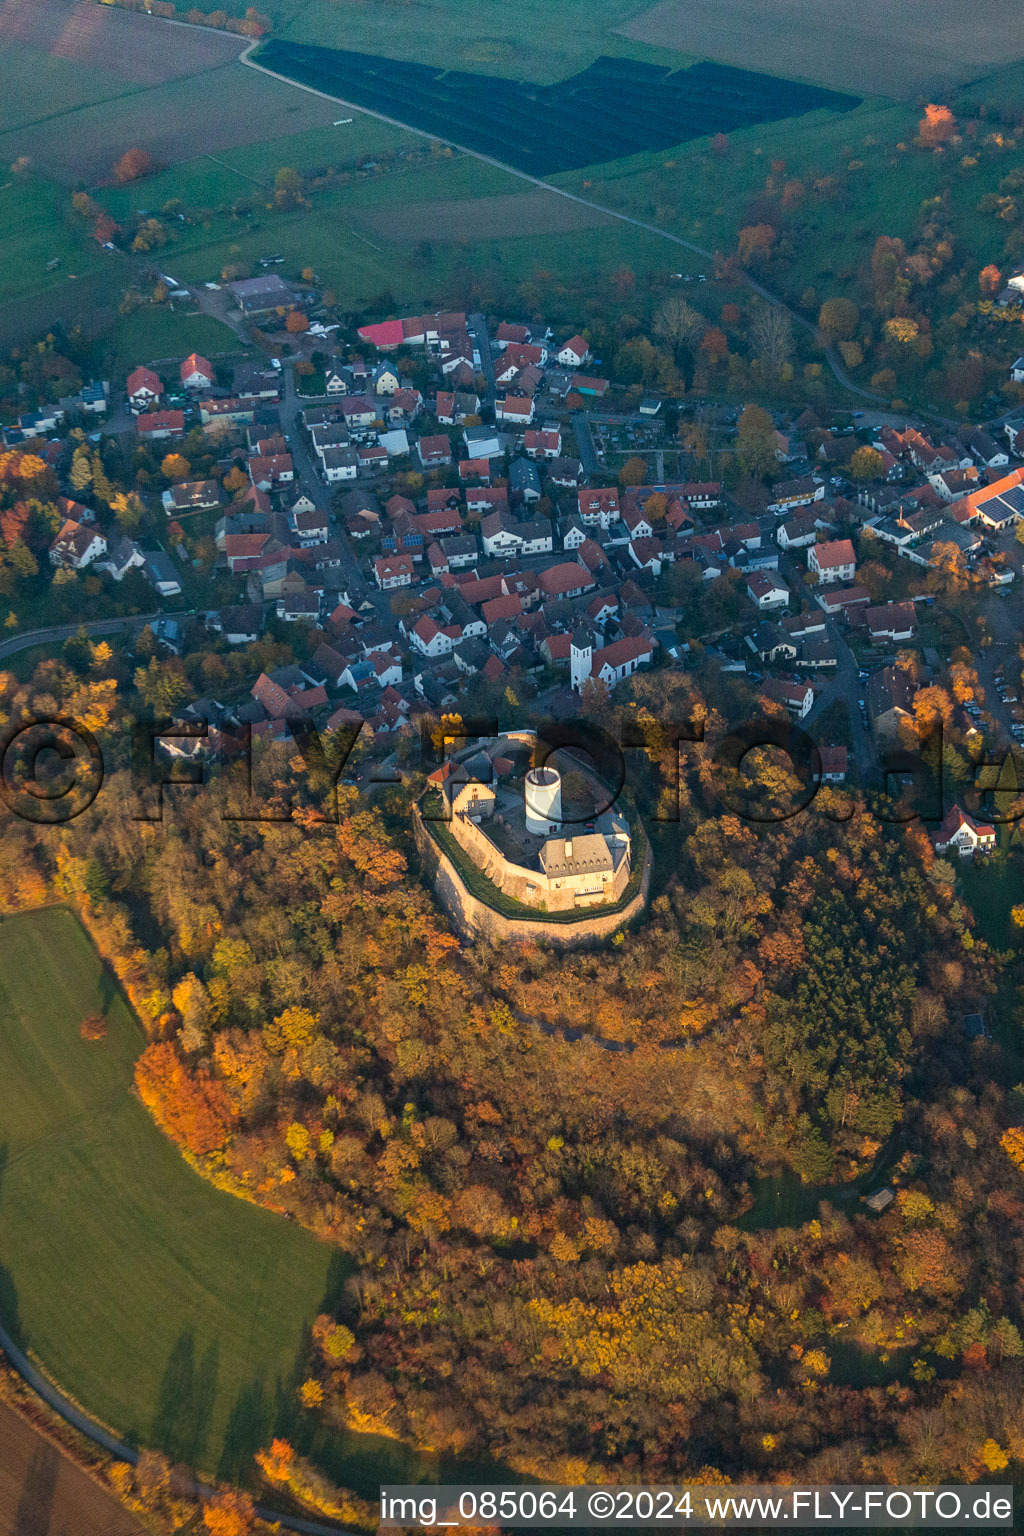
124,555
197,372
598,508
797,698
391,571
142,389
573,353
767,590
338,464
76,547
890,695
156,426
191,496
832,562
964,835
434,452
797,532
517,409
891,622
789,494
833,764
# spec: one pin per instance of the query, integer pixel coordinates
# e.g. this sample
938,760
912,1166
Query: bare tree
771,332
679,323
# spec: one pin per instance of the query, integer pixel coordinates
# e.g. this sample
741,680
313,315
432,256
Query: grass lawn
176,1313
155,332
991,887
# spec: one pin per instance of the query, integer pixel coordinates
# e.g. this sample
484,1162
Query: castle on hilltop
512,825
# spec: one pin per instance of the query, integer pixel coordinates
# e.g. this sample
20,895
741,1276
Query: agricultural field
42,1490
218,109
98,39
622,105
173,1312
938,44
533,39
508,217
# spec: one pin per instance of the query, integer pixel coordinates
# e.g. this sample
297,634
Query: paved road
100,627
73,1415
307,479
585,443
477,326
844,687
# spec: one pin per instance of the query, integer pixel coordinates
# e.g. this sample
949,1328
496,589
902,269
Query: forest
561,1255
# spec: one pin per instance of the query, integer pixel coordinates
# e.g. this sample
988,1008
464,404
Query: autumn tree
192,1108
902,329
866,463
838,319
175,467
128,509
937,126
755,442
633,472
755,242
990,280
296,322
231,1513
715,344
133,163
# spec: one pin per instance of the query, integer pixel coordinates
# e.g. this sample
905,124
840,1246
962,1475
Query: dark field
43,1493
615,108
904,50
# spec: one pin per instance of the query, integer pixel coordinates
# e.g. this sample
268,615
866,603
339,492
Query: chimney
568,847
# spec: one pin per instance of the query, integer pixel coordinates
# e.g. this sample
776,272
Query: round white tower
543,801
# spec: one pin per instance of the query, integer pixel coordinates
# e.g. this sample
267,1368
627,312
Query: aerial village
440,508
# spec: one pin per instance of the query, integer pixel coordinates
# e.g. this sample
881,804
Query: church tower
581,657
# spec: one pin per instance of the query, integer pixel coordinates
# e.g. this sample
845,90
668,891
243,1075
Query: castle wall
531,887
473,918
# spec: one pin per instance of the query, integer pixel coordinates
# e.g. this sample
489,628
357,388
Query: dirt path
44,1493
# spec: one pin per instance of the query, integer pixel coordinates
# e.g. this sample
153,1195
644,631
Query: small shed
880,1199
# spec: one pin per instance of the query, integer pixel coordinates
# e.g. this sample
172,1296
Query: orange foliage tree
937,126
229,1514
133,164
193,1110
296,322
755,240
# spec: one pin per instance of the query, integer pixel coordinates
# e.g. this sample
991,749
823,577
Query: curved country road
100,1436
100,627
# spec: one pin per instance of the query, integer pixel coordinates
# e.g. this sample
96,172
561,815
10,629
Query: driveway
477,327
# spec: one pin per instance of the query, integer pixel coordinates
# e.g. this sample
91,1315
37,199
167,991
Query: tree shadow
185,1401
250,1426
339,1272
10,1317
38,1492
